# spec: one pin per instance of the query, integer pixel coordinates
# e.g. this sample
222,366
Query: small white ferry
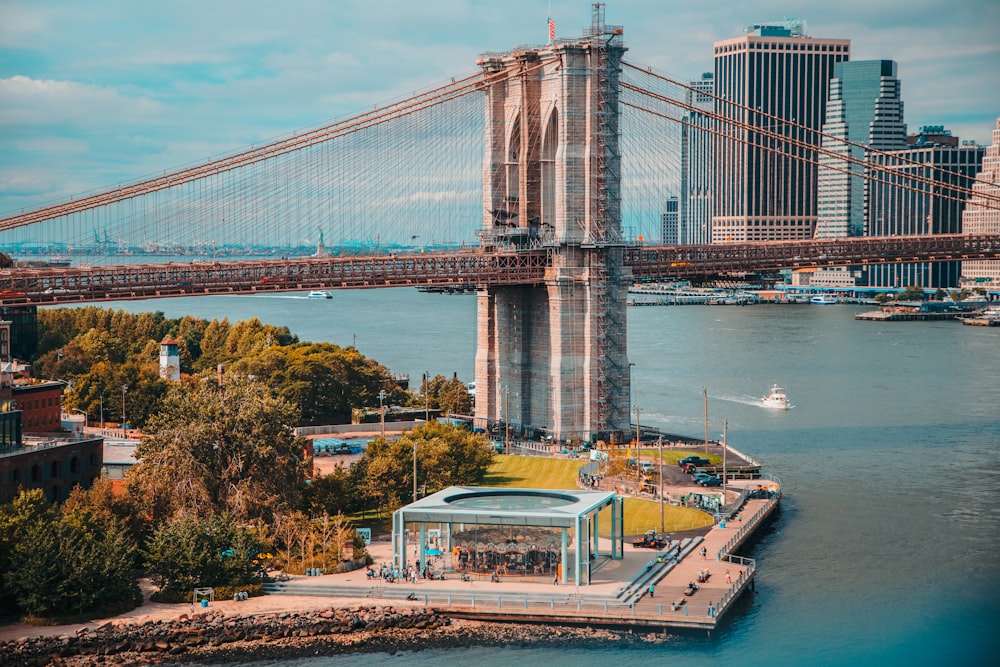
776,399
320,294
823,300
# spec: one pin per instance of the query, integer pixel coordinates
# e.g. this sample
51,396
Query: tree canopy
219,449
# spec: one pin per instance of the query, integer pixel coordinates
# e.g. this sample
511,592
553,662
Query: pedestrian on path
652,587
703,552
555,581
729,579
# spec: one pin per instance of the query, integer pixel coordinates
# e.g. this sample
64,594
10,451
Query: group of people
392,573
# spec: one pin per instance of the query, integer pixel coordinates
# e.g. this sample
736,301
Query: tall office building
761,194
982,216
896,205
696,163
670,222
863,108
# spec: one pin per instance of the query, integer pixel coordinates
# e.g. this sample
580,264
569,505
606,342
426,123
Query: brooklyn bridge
539,180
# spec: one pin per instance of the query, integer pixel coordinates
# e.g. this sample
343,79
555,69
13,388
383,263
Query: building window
54,468
74,464
36,473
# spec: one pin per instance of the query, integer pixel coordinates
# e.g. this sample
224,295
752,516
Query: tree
67,563
325,380
446,456
212,449
193,551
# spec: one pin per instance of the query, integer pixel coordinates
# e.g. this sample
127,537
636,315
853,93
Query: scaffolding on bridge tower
611,371
552,357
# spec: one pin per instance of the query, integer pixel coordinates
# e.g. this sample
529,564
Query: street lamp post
124,389
102,409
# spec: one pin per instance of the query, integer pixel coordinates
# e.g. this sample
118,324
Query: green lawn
535,472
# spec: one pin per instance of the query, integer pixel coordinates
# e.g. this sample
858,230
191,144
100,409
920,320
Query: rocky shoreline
213,637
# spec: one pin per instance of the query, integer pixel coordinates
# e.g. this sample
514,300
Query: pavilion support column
578,539
421,555
594,528
564,560
398,538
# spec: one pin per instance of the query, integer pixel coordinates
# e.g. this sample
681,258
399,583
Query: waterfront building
896,205
864,108
982,216
670,222
697,162
765,189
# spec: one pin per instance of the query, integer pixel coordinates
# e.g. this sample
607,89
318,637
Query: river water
885,550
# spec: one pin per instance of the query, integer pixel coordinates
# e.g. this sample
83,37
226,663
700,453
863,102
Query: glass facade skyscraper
864,108
765,189
899,206
696,163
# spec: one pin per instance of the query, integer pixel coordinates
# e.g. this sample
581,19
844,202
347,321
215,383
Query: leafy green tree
192,551
325,380
446,456
70,563
212,449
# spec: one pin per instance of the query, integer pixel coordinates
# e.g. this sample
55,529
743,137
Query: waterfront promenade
618,595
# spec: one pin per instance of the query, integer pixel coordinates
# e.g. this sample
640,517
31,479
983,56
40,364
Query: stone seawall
213,637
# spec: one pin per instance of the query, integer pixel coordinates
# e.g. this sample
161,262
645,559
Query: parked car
696,460
710,481
689,468
700,475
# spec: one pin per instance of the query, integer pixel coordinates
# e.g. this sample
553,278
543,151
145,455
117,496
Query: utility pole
124,389
725,450
102,409
506,421
704,391
659,446
381,411
427,398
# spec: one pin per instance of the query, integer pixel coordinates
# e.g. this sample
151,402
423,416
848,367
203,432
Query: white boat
776,399
320,294
823,299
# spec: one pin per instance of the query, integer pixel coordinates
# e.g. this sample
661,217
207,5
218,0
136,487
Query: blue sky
101,92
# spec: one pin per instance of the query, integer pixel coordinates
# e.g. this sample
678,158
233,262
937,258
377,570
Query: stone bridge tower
552,358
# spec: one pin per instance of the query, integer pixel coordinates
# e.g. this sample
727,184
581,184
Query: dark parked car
696,460
710,481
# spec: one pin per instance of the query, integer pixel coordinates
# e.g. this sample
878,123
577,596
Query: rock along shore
214,637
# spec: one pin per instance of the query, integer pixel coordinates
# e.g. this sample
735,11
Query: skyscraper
863,108
670,222
761,194
696,163
897,205
983,217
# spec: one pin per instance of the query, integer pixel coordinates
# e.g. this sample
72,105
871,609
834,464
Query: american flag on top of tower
552,29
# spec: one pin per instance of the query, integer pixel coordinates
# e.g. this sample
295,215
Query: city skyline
90,98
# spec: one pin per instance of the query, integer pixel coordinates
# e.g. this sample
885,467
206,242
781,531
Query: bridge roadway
470,267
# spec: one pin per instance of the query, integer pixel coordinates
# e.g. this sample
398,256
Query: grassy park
536,472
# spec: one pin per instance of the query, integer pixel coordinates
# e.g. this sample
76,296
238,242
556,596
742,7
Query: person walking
652,587
729,579
703,552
